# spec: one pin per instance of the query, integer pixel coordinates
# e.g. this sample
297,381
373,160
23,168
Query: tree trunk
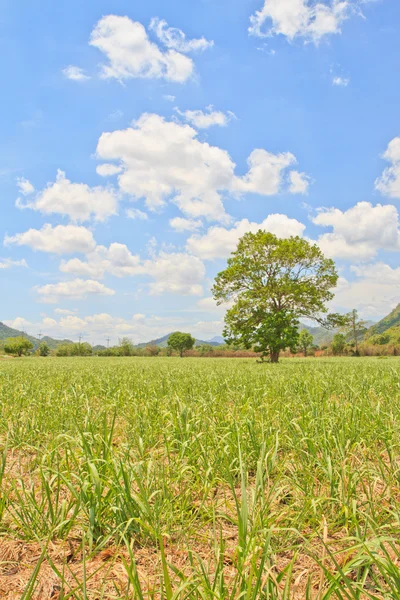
274,356
181,353
305,352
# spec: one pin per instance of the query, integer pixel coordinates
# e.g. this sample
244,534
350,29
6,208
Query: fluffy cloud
77,289
340,81
180,224
176,273
116,260
299,182
164,160
75,200
130,53
63,311
175,39
8,263
107,170
135,213
374,291
389,182
25,187
62,239
219,242
359,232
307,19
205,119
75,73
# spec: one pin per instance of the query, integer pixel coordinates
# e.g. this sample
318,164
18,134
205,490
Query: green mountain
9,332
392,320
322,336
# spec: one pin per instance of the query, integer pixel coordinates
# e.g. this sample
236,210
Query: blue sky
140,140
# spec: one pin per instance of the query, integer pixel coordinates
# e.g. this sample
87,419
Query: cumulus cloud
130,53
180,224
107,170
359,232
374,291
62,239
175,273
135,213
77,289
219,242
75,73
205,119
175,39
8,263
116,260
78,201
307,19
25,187
389,182
164,161
64,311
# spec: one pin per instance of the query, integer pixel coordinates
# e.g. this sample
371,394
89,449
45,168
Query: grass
199,478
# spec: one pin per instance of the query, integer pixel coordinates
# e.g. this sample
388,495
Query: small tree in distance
17,346
273,283
305,341
44,349
338,344
355,327
181,342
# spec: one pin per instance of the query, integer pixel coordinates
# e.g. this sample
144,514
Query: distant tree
273,282
181,342
338,344
75,349
44,349
354,327
152,350
126,346
205,349
380,339
17,346
305,340
63,350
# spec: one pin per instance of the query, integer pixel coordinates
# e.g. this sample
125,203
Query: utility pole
108,342
80,339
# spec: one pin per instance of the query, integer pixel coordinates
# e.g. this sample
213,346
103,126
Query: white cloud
163,160
266,173
64,311
78,201
219,242
8,263
374,292
204,120
340,81
25,187
135,213
299,182
19,323
175,273
130,53
169,97
307,19
116,260
108,170
359,232
389,182
175,39
75,73
62,239
180,224
77,289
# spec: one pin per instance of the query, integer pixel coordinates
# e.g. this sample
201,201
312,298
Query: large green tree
273,283
180,342
18,346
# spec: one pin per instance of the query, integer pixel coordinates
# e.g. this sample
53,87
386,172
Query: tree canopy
273,282
18,346
180,342
305,340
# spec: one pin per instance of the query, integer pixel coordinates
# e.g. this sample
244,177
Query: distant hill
391,320
322,336
9,332
162,342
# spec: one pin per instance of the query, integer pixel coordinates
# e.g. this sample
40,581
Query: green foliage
44,349
338,344
17,346
74,349
306,341
273,283
126,347
180,342
388,322
354,327
204,349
